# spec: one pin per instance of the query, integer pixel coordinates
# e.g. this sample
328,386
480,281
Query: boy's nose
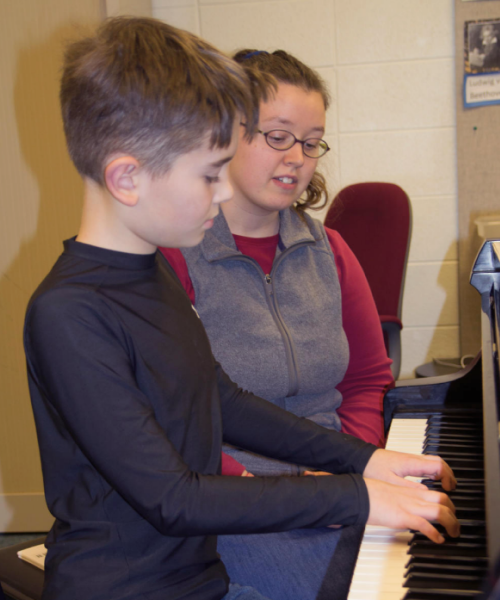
224,191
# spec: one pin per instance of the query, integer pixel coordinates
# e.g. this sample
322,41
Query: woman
286,306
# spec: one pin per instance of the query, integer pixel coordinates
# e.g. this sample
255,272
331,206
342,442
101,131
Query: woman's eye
277,138
312,144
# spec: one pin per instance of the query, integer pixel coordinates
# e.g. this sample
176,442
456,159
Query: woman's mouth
286,182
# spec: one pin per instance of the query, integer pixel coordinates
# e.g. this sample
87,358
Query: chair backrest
375,220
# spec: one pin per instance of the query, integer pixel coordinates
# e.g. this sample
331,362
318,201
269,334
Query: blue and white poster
482,62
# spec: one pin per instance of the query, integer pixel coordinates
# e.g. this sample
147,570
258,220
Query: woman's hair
265,71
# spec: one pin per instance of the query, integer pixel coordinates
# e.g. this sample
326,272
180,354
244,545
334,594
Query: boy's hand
403,507
247,474
391,467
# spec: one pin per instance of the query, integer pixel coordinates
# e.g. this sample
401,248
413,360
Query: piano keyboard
402,565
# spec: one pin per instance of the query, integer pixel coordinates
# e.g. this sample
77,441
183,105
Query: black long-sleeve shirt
131,409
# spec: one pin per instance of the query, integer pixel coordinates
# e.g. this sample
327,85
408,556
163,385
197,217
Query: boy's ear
121,178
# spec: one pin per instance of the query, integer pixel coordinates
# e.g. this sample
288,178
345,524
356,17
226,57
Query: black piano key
470,513
450,437
459,422
433,422
474,538
459,549
474,528
474,424
457,443
430,567
455,452
473,492
462,501
437,445
476,495
463,462
439,450
454,429
465,475
458,426
439,594
475,484
444,418
451,433
443,581
458,435
476,561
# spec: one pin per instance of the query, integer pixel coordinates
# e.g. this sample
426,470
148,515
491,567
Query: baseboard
20,513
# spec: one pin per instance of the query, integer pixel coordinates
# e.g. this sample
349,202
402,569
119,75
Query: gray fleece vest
278,335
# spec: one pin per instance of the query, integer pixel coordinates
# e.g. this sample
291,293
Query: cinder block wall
390,66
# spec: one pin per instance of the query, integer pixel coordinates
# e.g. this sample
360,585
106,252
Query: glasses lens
314,147
279,139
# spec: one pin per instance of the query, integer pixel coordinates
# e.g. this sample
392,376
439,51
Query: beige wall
390,66
39,207
40,204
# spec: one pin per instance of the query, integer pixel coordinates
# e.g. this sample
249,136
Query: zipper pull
268,278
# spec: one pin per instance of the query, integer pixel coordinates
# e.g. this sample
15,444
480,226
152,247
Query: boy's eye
210,179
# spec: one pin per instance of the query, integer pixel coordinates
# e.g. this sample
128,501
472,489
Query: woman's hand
392,467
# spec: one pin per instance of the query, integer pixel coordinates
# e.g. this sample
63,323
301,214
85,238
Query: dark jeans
282,566
238,592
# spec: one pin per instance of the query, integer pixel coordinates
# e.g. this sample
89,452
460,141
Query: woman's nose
294,155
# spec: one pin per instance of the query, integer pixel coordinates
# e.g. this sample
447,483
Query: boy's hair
147,89
265,71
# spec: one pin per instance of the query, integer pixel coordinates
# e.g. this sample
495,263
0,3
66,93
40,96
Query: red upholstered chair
375,221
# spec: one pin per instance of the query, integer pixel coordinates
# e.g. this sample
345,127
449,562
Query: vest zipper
291,355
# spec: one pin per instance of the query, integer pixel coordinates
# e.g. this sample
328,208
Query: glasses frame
296,140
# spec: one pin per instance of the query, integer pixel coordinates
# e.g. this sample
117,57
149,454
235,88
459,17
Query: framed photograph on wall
482,46
482,62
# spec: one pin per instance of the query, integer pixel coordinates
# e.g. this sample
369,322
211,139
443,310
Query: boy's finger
423,515
434,467
445,517
420,524
407,483
440,498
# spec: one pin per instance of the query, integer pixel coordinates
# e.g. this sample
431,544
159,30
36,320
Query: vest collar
219,243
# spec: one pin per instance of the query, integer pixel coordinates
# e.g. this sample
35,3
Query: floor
10,539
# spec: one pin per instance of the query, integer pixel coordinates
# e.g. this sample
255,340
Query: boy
130,406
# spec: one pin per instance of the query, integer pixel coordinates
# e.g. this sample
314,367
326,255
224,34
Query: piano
456,417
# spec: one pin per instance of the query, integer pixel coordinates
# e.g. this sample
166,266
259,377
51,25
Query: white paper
34,555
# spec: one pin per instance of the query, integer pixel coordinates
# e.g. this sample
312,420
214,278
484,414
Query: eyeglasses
282,140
